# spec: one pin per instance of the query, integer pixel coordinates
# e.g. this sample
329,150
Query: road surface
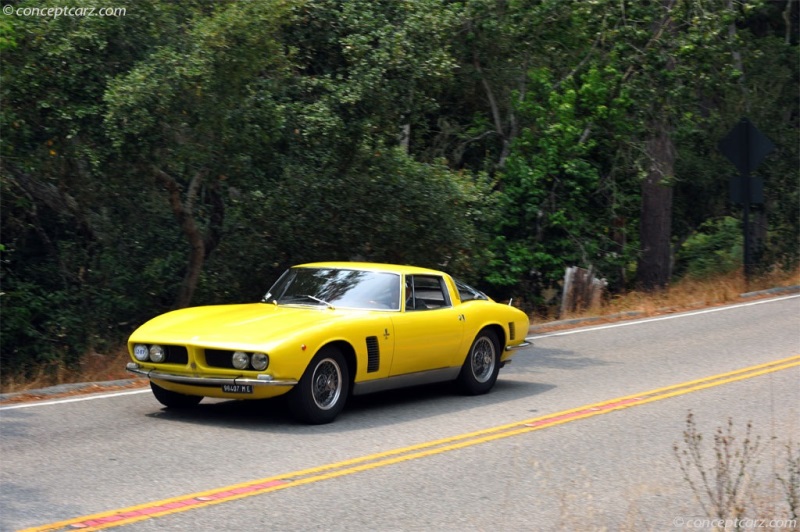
577,434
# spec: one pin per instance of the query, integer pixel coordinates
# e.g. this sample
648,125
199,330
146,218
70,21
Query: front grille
218,358
176,354
512,330
373,354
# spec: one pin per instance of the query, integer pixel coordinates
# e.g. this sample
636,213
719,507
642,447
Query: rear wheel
479,372
172,399
322,391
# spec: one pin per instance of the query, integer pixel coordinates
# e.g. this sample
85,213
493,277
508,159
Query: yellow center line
206,498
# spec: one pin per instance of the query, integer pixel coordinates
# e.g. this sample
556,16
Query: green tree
345,185
658,72
560,197
188,151
189,116
132,148
58,207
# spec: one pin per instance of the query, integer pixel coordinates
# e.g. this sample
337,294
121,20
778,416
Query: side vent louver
373,354
512,332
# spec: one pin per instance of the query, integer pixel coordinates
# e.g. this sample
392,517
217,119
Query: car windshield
336,288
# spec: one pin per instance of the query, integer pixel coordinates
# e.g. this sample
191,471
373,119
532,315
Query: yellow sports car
326,330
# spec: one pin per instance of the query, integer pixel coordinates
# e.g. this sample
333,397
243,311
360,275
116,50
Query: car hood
245,324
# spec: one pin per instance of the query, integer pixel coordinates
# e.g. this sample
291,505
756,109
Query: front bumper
261,380
527,343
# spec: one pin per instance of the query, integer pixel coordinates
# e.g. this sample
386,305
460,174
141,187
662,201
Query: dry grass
691,293
683,295
94,367
725,482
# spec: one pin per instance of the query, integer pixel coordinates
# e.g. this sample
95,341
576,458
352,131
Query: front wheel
322,391
172,399
479,372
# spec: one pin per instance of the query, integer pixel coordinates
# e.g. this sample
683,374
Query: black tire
172,399
322,391
480,369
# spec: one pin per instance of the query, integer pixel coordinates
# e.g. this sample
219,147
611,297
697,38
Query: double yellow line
183,503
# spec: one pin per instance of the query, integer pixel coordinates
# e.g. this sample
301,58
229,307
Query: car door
429,331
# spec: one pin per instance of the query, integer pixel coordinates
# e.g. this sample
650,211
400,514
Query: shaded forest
186,152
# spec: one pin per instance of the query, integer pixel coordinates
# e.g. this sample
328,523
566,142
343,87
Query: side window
467,293
425,292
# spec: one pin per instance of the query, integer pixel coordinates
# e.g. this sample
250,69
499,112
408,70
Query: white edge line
73,399
662,318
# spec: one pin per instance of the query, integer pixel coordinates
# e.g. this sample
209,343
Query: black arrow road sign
745,146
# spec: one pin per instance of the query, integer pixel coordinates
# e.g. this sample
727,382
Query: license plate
237,388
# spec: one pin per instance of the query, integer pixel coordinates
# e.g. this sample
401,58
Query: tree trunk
184,215
655,260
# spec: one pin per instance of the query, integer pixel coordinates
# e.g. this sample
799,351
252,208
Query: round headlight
141,352
260,361
157,353
240,360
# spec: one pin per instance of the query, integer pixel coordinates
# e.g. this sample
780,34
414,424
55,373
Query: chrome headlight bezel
157,353
259,361
240,360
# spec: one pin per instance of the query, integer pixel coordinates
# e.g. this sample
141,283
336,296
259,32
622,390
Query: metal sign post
745,146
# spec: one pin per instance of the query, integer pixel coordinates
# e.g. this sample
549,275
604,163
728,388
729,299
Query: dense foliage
185,152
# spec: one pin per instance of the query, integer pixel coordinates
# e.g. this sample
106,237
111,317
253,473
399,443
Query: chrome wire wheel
483,359
481,365
320,394
326,384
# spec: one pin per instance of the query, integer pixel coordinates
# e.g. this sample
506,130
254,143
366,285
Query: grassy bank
690,293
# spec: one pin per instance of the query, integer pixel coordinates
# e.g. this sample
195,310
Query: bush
714,249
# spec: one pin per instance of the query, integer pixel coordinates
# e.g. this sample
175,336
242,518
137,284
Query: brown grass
689,293
94,367
683,295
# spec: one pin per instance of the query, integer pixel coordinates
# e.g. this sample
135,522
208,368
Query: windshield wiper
315,298
318,300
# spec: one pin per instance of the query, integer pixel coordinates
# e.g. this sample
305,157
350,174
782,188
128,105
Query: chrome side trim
403,381
527,343
204,381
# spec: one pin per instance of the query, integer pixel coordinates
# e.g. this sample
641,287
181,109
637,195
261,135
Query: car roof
371,266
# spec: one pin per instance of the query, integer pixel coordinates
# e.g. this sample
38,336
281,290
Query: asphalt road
577,434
